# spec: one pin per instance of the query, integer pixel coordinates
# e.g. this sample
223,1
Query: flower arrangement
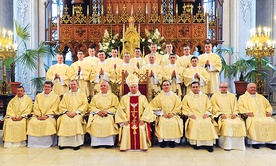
153,37
109,41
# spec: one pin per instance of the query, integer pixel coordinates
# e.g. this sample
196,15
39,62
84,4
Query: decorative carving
81,32
95,18
154,17
66,18
139,16
109,18
22,8
66,33
184,31
199,17
169,31
79,18
94,32
245,5
123,18
199,31
169,17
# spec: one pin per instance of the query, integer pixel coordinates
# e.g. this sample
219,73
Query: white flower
121,40
149,40
162,38
143,40
158,47
161,52
113,41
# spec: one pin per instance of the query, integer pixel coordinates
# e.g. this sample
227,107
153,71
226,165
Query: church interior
242,33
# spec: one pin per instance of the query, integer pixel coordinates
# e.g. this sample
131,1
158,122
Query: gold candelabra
259,46
7,49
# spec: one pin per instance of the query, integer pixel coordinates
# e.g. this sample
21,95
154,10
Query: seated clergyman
200,130
260,127
168,125
101,125
15,123
231,128
133,114
42,125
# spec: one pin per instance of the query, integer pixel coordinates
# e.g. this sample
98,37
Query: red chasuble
134,123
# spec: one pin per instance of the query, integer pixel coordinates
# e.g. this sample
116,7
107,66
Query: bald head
104,86
223,87
251,88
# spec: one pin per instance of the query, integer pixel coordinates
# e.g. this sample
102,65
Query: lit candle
87,10
131,9
176,9
161,9
7,48
117,9
15,45
259,31
146,8
102,9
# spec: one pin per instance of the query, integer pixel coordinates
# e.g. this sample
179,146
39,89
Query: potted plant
245,68
27,57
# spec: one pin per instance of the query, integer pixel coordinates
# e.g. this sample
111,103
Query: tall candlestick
87,10
146,8
117,9
161,9
131,9
176,9
102,9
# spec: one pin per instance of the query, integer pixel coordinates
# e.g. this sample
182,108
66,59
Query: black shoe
271,146
108,147
163,144
76,148
172,144
195,147
256,146
95,147
60,148
210,148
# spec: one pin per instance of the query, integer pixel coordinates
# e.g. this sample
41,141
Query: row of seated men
89,71
208,119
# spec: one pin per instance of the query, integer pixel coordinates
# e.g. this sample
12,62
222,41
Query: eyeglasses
223,87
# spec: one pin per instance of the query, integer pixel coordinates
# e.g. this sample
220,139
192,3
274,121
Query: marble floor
181,155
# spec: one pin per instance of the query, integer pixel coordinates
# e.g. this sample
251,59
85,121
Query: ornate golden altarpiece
81,26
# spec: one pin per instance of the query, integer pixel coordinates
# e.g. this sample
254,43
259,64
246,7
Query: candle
207,24
102,9
117,9
87,10
176,9
73,9
131,9
161,9
146,8
123,29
